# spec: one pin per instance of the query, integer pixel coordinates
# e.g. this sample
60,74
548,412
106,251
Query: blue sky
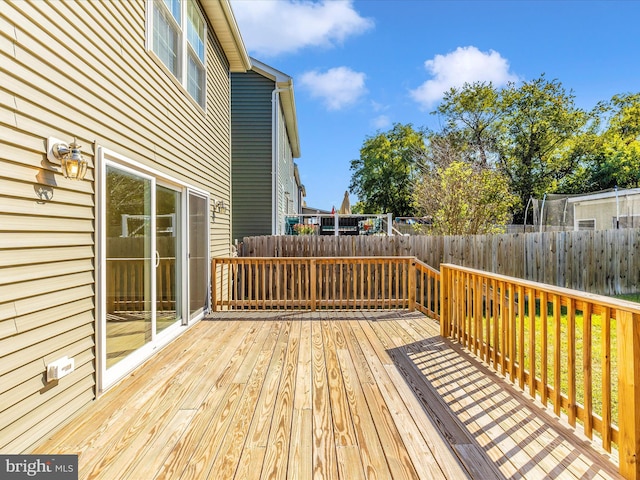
360,66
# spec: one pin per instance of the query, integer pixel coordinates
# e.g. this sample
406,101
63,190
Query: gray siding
251,167
286,180
81,68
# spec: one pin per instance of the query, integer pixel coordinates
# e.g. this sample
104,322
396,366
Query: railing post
214,283
628,332
411,284
312,283
445,294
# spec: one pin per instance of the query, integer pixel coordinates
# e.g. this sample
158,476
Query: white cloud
338,87
273,27
381,121
464,65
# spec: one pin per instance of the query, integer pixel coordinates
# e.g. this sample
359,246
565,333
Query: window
587,224
177,36
626,221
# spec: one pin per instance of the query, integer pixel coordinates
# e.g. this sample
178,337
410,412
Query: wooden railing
324,283
126,284
427,289
578,351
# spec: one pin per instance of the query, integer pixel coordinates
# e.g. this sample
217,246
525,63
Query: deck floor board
335,395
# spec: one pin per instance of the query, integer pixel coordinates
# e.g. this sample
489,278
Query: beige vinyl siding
81,68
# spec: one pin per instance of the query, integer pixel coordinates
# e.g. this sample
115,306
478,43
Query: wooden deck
338,395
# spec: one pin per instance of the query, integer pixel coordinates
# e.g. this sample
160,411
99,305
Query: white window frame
185,50
581,224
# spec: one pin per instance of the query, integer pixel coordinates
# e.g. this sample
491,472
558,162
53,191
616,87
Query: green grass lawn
596,358
632,297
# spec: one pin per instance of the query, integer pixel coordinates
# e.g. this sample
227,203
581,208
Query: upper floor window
177,37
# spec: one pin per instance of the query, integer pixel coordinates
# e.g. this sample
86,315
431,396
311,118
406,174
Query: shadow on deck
330,394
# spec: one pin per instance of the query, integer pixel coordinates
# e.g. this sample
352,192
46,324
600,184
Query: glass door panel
198,255
168,272
129,263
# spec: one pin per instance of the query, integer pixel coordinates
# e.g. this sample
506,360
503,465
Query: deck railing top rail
599,300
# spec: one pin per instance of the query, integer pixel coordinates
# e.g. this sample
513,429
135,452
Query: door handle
157,259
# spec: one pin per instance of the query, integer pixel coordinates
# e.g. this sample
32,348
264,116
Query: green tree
461,197
471,116
615,157
538,123
384,176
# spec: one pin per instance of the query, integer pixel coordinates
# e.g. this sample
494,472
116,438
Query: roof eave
284,83
288,102
226,29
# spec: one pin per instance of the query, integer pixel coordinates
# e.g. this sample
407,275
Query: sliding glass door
198,255
153,254
168,258
144,260
129,263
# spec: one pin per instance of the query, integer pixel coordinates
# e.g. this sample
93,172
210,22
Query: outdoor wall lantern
68,156
221,207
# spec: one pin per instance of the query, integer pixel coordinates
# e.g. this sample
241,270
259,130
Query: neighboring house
265,142
107,269
607,210
300,191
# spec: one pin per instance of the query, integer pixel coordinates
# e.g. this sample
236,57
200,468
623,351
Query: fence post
445,287
312,283
628,332
411,284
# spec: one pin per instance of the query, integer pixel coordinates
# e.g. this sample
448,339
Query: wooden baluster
512,332
586,368
557,400
571,360
544,349
446,295
532,342
521,303
313,274
606,378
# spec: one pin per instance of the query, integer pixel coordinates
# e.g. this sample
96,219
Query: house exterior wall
286,181
255,210
251,109
82,69
605,210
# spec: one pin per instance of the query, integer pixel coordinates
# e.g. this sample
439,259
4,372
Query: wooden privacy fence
606,262
325,283
580,352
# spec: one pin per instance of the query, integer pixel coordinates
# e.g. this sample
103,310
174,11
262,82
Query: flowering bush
305,228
